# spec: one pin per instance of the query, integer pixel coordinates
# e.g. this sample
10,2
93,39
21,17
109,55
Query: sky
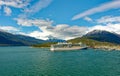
63,19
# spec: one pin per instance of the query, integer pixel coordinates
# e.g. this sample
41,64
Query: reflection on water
26,61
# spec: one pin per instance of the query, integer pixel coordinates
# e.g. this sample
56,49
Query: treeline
46,44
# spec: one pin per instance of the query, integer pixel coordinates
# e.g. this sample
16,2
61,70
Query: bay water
27,61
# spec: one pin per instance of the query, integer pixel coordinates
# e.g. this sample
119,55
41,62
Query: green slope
90,42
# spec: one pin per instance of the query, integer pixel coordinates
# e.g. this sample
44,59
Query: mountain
8,39
103,36
99,39
54,39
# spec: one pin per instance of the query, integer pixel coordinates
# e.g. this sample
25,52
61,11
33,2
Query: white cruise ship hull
65,49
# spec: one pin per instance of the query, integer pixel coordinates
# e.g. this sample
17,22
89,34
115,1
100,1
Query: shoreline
110,48
96,48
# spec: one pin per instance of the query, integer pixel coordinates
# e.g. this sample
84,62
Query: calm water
26,61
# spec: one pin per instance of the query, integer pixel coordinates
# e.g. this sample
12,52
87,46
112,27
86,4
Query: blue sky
64,19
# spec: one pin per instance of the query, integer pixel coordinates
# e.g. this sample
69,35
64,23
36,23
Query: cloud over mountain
65,31
62,31
9,28
109,27
108,23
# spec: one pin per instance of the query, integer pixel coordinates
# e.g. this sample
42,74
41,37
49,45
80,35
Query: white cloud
22,5
109,19
14,3
38,6
9,28
87,18
61,31
41,4
39,35
65,31
7,11
7,4
104,7
33,22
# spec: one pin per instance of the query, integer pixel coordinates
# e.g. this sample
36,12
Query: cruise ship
67,46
